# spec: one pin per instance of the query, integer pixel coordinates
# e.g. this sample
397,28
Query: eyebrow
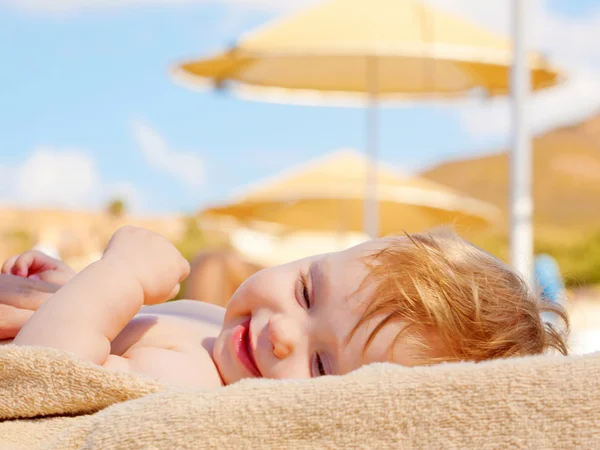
319,289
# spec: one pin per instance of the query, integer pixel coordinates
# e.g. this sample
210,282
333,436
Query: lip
242,344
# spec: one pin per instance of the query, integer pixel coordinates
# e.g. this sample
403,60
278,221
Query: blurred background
247,132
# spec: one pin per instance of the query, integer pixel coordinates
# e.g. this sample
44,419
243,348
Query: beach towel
50,400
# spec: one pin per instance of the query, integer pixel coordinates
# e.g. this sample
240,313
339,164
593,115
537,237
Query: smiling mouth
243,348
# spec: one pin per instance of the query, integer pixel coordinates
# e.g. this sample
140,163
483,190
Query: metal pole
371,206
521,231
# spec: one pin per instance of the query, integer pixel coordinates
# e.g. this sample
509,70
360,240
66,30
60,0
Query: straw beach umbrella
327,194
345,52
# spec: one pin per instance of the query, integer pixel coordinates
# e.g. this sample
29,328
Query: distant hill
566,170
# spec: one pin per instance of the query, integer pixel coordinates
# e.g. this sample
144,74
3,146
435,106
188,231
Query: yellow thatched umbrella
358,49
363,52
328,194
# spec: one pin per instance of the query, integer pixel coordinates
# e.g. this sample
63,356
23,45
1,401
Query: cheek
253,293
297,368
271,289
241,300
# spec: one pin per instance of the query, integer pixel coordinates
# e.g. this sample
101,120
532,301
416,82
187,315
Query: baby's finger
24,293
55,277
22,264
184,269
8,264
174,292
155,300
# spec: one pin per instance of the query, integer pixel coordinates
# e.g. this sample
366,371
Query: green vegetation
578,259
195,240
116,208
577,254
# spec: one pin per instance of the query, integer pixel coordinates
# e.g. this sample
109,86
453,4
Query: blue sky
88,111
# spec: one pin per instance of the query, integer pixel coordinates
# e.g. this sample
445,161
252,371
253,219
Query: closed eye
304,287
318,369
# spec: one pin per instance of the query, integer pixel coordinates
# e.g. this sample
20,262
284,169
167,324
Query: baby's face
295,321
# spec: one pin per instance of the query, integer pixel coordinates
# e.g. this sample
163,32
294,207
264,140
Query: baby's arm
84,316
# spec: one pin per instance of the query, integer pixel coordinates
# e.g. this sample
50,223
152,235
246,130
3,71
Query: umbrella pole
371,207
521,237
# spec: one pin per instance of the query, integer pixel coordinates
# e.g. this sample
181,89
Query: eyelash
320,367
304,284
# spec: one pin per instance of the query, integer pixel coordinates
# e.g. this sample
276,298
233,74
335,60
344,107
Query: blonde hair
476,306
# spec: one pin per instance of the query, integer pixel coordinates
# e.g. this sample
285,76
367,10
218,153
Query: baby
412,300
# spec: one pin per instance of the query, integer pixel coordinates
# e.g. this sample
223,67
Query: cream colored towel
49,401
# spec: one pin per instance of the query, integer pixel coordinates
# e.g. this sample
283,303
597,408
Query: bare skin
19,299
289,321
106,323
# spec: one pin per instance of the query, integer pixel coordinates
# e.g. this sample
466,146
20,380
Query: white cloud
186,167
67,177
70,6
63,178
565,40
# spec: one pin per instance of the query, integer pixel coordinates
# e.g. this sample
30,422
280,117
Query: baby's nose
284,334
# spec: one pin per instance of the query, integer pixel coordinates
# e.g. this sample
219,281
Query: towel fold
49,400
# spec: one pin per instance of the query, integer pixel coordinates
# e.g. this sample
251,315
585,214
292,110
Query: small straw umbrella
327,194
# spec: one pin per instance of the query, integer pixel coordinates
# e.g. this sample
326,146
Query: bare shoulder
194,368
188,308
174,325
172,342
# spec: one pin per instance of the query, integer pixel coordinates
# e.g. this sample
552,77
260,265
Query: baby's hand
152,259
39,266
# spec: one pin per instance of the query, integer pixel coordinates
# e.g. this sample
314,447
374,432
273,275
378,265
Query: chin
216,357
226,376
219,357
